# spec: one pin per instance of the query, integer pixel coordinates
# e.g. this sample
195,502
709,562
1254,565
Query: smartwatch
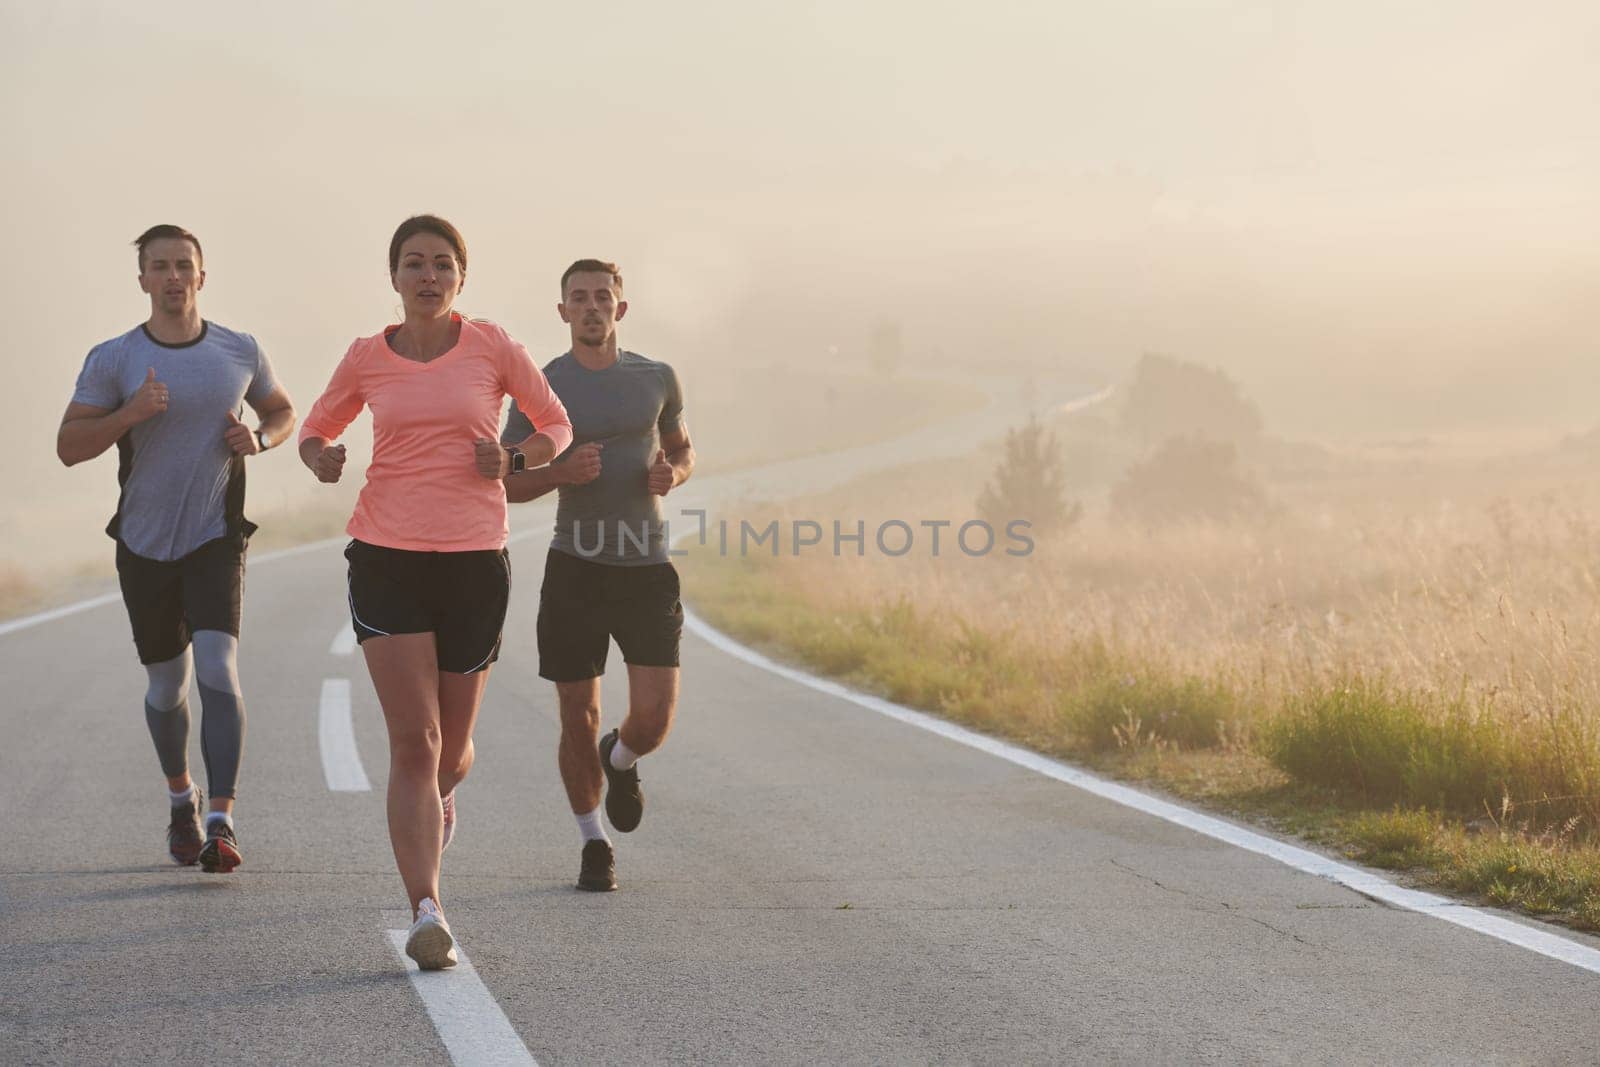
261,440
519,461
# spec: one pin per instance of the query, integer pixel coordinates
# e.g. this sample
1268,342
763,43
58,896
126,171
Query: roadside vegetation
1392,653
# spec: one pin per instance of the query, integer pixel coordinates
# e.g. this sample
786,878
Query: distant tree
1030,482
1171,398
1188,478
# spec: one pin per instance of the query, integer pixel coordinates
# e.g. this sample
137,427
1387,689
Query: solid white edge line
1365,882
344,642
26,621
336,737
58,613
465,1014
300,550
64,610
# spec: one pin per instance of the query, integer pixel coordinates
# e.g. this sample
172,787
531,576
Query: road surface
813,882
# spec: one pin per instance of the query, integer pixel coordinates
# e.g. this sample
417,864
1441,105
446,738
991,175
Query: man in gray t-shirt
169,394
631,407
607,574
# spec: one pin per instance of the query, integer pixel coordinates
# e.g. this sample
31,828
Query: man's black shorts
168,601
584,604
459,597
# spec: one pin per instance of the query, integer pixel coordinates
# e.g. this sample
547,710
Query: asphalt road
812,882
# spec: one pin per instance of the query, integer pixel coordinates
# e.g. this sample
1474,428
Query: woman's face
428,277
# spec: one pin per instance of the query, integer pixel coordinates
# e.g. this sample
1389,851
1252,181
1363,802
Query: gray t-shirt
626,407
181,484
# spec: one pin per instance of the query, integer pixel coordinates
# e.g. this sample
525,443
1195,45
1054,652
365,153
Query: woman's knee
458,762
416,748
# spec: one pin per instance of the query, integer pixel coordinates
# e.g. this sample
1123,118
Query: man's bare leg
652,704
579,757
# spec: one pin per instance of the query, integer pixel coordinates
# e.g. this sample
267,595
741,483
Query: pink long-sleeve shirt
423,491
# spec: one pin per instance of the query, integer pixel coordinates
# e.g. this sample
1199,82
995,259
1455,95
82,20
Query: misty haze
1273,324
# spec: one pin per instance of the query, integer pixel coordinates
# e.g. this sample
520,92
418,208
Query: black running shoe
624,798
598,873
184,836
221,853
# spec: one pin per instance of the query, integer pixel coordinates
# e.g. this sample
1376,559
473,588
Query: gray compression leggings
215,659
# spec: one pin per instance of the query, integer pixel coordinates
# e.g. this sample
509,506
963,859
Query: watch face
519,462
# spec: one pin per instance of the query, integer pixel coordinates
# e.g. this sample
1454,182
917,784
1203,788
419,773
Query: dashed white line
341,760
1366,883
469,1020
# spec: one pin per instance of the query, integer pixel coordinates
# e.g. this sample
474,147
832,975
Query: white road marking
344,642
62,612
469,1020
1366,883
58,613
300,550
336,735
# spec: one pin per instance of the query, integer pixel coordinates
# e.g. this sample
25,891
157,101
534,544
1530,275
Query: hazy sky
1379,216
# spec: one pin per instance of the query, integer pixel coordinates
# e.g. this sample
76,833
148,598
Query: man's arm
277,422
582,465
88,430
277,417
674,463
533,484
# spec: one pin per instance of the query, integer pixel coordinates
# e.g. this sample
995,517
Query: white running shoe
449,803
430,942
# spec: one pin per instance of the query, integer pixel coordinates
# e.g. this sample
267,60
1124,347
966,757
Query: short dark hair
427,224
156,233
591,266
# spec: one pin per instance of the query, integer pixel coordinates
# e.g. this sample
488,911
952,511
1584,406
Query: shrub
1137,709
1030,483
1392,747
1171,398
1187,478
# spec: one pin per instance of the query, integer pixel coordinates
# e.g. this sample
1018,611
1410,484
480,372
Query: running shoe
448,802
598,873
221,853
624,798
184,836
430,942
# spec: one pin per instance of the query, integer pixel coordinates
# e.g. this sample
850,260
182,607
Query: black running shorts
584,604
459,597
168,601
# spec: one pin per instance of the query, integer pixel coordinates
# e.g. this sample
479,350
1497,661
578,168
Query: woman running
429,577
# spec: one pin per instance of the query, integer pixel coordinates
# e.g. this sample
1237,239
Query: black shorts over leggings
459,597
168,601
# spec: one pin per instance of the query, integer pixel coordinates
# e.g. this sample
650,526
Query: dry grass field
1396,653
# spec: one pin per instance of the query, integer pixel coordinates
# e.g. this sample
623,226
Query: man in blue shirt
169,394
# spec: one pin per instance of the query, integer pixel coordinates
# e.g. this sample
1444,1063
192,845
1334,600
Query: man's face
171,274
592,306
